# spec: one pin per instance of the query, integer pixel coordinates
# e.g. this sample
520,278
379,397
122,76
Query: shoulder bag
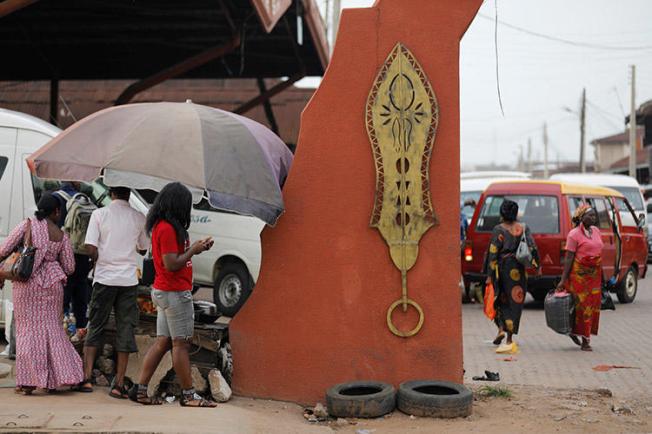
523,252
18,266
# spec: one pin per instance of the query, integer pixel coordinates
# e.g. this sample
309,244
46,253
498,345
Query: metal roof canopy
134,39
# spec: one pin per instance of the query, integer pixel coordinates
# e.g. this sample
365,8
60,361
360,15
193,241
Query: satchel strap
27,238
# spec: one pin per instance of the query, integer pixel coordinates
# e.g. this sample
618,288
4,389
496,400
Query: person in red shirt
167,222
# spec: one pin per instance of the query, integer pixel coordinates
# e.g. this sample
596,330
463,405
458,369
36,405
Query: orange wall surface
317,315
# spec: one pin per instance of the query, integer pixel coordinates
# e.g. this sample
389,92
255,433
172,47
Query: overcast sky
540,77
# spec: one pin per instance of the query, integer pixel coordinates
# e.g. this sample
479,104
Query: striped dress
45,358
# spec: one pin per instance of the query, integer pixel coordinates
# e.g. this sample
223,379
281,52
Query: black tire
429,398
365,399
628,287
232,288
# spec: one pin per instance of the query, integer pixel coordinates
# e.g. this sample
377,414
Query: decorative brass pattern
401,118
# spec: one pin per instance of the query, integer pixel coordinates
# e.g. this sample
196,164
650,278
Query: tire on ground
364,399
622,290
429,398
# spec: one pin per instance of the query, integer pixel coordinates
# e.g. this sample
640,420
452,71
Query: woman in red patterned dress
583,275
45,358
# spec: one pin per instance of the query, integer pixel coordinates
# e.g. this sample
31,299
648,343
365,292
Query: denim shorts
175,313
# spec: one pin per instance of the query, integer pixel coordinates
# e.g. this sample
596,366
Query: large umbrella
237,164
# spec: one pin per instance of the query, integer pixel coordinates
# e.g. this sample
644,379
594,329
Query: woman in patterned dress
508,275
583,275
45,358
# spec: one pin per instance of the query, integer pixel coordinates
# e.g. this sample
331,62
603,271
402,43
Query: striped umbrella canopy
237,164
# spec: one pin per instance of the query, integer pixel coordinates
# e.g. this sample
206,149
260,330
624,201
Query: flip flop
499,339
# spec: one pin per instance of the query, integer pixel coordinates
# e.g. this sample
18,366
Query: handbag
149,273
523,252
559,308
18,266
489,297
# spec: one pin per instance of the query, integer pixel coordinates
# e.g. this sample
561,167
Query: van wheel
628,287
232,288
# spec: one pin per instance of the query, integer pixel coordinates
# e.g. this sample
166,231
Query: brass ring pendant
390,323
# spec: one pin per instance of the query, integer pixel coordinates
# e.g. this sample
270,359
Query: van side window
604,222
573,203
40,186
3,165
540,213
626,216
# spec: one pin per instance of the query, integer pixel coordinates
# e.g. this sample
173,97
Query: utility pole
582,131
545,151
632,127
529,155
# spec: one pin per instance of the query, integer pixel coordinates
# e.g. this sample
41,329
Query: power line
500,98
567,41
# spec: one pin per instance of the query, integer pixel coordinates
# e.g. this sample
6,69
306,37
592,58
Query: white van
231,266
626,185
473,185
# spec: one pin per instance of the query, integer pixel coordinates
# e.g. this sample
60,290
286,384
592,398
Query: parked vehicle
627,185
546,207
648,207
472,184
488,174
231,267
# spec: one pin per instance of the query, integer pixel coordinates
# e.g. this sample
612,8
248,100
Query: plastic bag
489,297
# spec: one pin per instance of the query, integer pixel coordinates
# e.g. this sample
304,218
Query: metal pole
582,132
545,151
632,126
529,155
54,102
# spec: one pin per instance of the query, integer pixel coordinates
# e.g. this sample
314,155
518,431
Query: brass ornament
401,118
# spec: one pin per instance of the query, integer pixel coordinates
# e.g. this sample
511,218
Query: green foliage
495,392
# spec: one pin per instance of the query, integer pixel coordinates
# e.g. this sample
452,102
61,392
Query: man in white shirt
115,237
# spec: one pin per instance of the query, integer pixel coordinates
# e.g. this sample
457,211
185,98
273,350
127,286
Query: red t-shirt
164,241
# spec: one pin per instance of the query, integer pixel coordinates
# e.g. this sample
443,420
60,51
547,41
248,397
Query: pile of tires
424,398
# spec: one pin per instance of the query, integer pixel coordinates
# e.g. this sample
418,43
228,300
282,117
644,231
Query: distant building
612,149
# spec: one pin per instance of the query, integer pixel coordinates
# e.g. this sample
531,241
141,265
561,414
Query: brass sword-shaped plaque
401,118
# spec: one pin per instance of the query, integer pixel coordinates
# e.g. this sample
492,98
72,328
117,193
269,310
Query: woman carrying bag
45,358
583,275
506,272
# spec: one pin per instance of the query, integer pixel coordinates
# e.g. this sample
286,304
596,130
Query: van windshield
633,195
539,213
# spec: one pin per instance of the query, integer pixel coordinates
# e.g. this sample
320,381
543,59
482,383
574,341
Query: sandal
499,338
576,340
140,396
85,386
119,392
586,347
195,400
24,390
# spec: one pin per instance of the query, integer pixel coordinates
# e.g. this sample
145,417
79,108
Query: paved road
549,359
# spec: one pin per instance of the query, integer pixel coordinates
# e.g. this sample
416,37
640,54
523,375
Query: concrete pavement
552,360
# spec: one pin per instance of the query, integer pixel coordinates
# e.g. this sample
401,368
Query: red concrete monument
360,278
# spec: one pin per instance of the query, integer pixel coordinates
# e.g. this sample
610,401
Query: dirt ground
532,409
